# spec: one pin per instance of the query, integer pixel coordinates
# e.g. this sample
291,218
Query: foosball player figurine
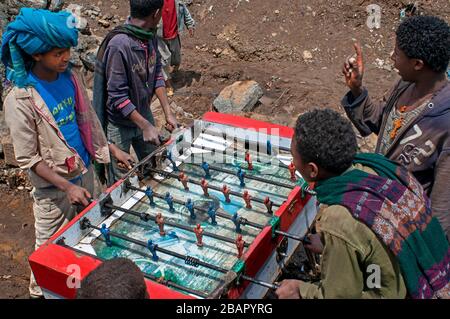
149,193
105,232
237,222
291,169
240,245
199,234
184,180
174,165
160,222
241,175
152,247
269,148
247,198
204,185
205,167
226,192
169,200
248,159
190,207
212,213
269,205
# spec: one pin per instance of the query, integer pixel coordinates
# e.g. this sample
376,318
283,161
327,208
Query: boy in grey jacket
412,123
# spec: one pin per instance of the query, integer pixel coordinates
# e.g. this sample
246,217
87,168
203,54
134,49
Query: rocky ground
294,50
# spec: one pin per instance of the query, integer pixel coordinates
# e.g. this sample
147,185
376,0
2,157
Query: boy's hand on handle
172,123
151,135
316,245
78,195
354,71
123,159
289,289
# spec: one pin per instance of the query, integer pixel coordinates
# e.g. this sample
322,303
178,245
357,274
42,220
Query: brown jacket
36,136
423,146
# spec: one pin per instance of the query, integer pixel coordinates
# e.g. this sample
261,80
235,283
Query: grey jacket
184,19
423,146
133,72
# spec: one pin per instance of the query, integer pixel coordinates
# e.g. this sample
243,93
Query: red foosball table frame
51,263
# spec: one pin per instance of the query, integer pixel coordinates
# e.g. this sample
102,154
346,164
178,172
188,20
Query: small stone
104,23
307,55
20,188
114,7
277,11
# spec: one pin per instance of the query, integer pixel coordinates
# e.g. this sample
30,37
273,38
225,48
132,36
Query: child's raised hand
354,71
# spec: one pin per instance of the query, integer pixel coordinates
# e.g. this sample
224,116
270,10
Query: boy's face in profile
406,67
300,165
56,60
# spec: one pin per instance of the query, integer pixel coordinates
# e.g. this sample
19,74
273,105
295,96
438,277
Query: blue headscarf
32,32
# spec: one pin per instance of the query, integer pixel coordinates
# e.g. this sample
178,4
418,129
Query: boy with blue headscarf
55,132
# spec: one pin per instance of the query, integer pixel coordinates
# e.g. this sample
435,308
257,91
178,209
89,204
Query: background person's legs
175,53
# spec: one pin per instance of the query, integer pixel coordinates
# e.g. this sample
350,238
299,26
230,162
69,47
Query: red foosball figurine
160,222
204,185
269,205
184,180
226,192
292,170
248,159
240,245
199,234
247,198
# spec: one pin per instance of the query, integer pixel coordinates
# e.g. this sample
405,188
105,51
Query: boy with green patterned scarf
376,233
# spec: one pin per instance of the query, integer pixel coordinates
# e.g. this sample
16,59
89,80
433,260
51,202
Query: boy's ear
37,57
418,64
313,170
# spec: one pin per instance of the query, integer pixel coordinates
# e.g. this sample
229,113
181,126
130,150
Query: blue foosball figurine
269,148
169,200
174,165
105,232
152,247
241,175
149,193
190,207
205,167
212,213
237,222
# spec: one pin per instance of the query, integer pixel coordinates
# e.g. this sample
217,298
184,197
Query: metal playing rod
220,214
216,188
304,240
256,178
164,282
147,217
261,283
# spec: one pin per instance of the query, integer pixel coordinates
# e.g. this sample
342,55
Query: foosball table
216,212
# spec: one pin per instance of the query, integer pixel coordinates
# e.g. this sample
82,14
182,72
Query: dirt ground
294,49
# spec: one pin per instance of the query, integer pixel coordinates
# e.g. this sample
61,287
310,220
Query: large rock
241,96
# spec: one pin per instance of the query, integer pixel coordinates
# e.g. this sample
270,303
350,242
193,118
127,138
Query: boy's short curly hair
426,38
326,138
143,8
